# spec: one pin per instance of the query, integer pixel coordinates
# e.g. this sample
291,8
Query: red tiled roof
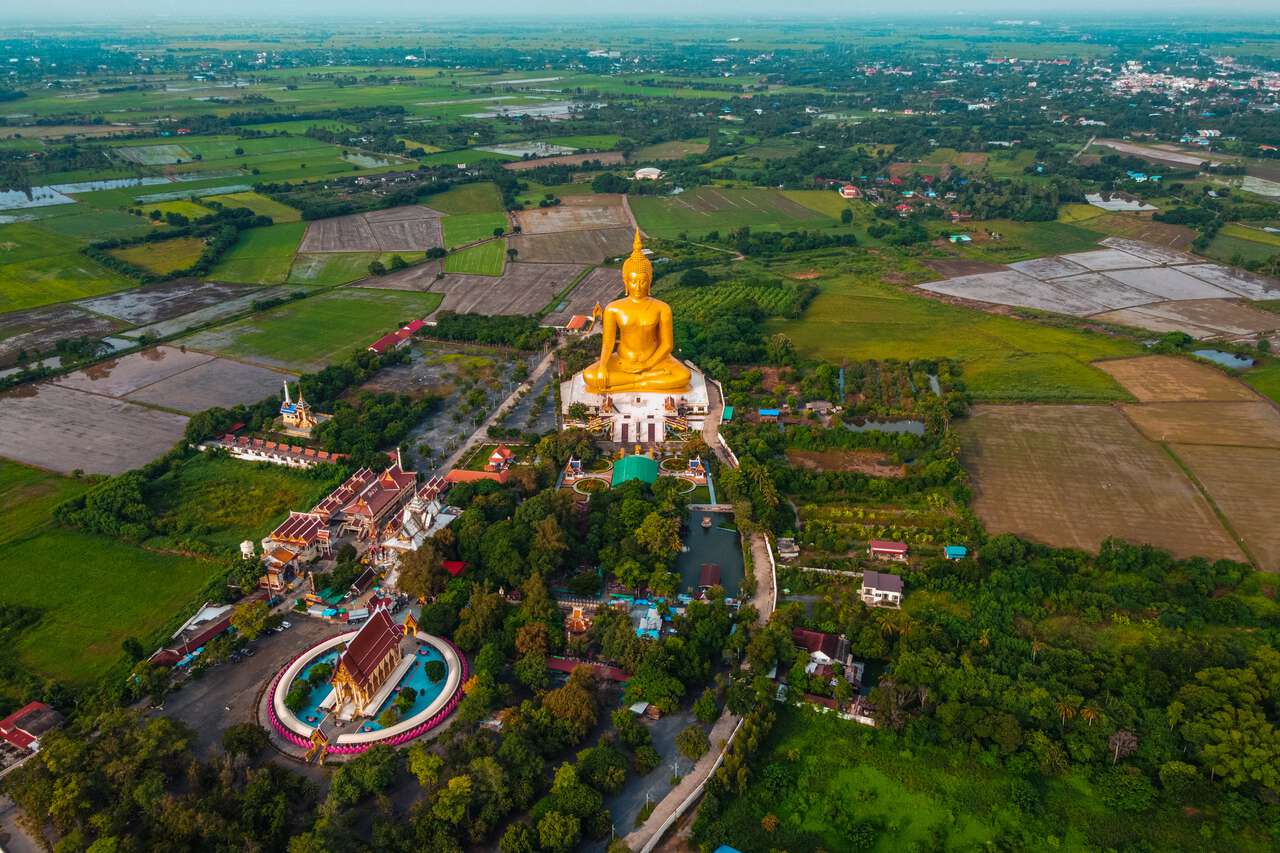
375,498
25,725
888,545
453,567
458,475
815,641
370,646
299,528
339,497
601,670
577,321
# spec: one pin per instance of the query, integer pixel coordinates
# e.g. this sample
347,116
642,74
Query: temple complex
366,666
638,391
419,520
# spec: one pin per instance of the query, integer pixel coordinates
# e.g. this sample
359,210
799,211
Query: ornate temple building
296,417
366,666
638,392
421,517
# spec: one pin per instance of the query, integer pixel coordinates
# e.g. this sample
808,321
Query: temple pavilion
367,666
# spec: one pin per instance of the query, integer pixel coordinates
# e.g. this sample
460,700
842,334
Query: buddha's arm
607,338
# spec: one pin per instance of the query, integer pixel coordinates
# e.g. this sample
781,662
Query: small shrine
296,417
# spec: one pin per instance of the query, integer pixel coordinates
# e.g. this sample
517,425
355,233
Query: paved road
481,433
13,838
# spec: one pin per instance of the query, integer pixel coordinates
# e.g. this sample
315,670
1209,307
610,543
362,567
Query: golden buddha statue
640,326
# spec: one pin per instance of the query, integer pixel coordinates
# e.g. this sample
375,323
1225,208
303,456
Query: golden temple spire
637,248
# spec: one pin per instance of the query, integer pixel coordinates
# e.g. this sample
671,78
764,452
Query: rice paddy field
263,255
41,262
467,198
463,228
307,334
259,204
485,259
857,315
163,256
329,268
705,209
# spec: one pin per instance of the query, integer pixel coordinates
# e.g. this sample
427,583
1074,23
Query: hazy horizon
133,11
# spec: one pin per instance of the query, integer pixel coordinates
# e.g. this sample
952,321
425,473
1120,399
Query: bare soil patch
411,228
63,429
588,247
1255,424
807,275
575,213
867,462
521,289
960,266
1200,318
1164,378
1072,476
39,329
162,301
117,377
1245,484
599,286
218,382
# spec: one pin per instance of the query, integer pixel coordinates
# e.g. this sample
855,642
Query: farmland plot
599,286
1245,484
590,247
1163,379
407,229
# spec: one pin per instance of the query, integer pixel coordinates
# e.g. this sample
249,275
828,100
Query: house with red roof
366,665
24,727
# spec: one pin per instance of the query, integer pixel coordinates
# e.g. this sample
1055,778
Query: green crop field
468,198
703,303
40,265
163,256
705,209
464,228
598,142
826,202
485,259
1233,246
220,502
330,268
310,333
260,205
857,316
189,209
1265,379
1019,241
263,255
93,591
677,150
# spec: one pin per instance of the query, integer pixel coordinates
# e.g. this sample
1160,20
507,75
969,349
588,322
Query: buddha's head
637,272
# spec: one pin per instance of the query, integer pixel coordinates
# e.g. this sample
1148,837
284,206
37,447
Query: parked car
285,626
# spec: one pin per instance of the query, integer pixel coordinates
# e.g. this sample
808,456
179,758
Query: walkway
481,433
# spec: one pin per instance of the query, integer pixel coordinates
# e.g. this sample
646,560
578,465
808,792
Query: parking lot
227,694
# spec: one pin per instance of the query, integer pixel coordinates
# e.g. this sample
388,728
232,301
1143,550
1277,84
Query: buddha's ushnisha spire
637,247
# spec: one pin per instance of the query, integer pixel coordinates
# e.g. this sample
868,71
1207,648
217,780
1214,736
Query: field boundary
1222,516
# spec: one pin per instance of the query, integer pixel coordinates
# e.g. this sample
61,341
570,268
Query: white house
881,589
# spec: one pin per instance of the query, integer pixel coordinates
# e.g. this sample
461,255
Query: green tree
453,800
251,619
424,764
692,742
559,832
659,535
247,739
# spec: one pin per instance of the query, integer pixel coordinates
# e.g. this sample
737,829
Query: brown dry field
601,285
861,461
62,429
411,228
117,377
575,213
1073,476
57,131
219,382
40,328
1165,378
1248,424
608,158
521,289
1245,484
588,247
1143,228
162,301
956,267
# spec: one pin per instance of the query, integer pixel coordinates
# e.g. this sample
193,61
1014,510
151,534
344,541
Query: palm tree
1036,648
1066,710
1090,714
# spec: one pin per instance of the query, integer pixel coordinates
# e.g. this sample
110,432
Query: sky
97,11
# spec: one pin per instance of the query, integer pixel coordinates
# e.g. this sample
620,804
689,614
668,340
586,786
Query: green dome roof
634,468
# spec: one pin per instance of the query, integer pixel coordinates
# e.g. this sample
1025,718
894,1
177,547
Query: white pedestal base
640,417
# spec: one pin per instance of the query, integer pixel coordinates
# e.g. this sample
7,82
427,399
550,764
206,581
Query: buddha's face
637,284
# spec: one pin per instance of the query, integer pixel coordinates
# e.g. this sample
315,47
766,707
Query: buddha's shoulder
625,305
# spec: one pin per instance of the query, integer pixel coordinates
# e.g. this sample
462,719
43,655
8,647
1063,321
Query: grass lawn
467,198
221,502
857,316
485,259
263,255
163,256
1265,380
822,777
310,333
827,202
94,592
189,209
330,268
1232,249
29,496
259,204
463,228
